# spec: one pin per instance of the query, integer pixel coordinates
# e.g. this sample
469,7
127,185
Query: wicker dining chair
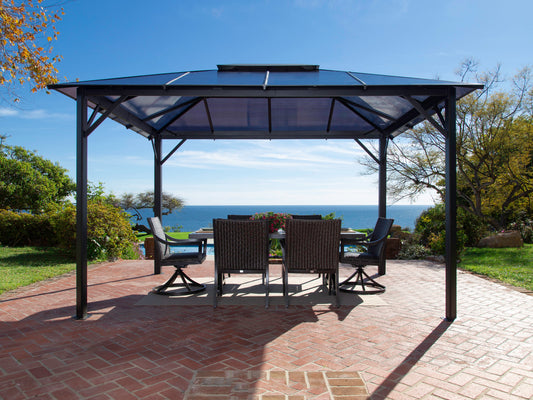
239,216
309,216
240,247
163,256
374,253
312,246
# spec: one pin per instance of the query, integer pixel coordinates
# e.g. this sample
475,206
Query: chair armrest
183,242
360,242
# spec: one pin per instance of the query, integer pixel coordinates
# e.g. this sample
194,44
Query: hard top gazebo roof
267,102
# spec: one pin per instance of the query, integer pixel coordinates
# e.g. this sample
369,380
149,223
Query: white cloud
267,155
6,112
33,114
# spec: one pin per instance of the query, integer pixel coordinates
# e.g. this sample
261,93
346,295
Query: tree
129,201
494,151
29,181
26,30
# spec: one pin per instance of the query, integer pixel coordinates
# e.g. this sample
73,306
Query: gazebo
267,102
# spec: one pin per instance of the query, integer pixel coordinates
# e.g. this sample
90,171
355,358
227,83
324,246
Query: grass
509,265
175,235
21,266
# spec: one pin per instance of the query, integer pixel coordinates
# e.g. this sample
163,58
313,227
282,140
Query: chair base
362,280
185,287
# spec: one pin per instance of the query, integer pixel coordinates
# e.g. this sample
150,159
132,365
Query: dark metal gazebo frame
267,102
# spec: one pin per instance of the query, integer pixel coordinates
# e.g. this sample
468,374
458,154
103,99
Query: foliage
109,232
24,229
30,182
146,200
431,229
21,266
25,27
510,265
276,221
494,152
523,223
413,251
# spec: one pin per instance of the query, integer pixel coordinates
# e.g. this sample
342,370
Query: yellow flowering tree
27,29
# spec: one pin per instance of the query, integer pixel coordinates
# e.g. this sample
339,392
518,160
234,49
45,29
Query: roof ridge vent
267,67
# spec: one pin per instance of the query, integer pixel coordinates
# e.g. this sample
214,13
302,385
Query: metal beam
173,151
158,188
367,150
426,114
123,115
363,117
170,109
382,202
371,110
451,207
265,134
407,118
271,91
81,205
189,105
106,114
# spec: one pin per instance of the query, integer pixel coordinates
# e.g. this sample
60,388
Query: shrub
413,251
431,228
523,223
25,229
109,232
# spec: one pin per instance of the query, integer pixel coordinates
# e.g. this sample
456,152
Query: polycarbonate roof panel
217,78
238,114
257,101
312,78
387,80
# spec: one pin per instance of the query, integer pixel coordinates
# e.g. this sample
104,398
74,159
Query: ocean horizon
191,218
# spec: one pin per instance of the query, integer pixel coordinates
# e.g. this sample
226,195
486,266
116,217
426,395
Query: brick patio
401,350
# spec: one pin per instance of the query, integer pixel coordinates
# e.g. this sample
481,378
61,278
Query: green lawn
510,265
175,235
21,266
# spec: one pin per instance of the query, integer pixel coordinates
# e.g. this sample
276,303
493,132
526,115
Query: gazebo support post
382,202
158,189
451,207
81,205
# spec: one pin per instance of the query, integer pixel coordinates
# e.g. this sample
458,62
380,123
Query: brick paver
403,350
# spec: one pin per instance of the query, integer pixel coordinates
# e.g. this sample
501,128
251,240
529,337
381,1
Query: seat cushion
193,258
358,258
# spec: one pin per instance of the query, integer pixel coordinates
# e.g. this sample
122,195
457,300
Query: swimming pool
185,249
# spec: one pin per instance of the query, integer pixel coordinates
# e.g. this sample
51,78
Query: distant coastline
191,218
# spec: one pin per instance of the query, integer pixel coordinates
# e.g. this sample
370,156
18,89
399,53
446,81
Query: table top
207,233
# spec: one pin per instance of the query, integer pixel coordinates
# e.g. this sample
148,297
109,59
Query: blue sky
101,39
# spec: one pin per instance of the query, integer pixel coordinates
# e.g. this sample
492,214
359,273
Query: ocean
191,218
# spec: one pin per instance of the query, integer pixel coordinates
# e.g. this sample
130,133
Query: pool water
185,249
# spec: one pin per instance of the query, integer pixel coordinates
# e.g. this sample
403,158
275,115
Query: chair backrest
310,216
239,217
160,248
312,245
381,231
241,245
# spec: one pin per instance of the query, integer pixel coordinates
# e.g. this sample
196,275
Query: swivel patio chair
163,256
312,246
240,247
374,254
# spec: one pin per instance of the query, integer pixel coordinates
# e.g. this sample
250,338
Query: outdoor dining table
207,233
